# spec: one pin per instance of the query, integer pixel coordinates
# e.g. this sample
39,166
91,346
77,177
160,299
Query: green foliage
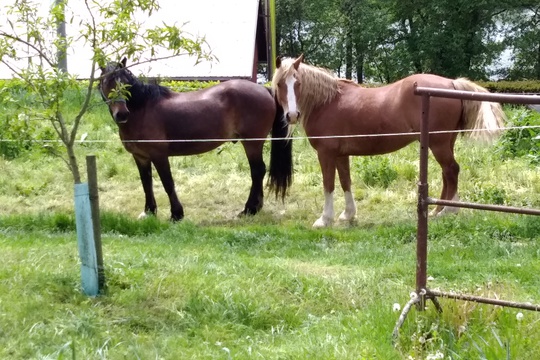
487,194
121,224
21,130
186,86
16,135
376,171
384,41
512,87
522,142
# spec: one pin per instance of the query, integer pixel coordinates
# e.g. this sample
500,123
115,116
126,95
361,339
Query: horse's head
287,85
114,86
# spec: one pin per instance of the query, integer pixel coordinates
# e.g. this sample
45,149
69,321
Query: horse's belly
376,145
192,148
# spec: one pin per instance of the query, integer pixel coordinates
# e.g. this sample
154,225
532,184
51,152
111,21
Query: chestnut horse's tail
485,119
281,165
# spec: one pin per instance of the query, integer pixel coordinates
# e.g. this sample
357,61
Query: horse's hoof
248,212
145,214
322,223
176,217
346,217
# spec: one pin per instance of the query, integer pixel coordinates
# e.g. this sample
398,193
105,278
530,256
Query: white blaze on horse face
292,108
327,217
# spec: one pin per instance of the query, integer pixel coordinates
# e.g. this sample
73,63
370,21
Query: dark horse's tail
281,165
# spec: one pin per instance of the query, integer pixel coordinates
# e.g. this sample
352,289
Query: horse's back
242,94
445,113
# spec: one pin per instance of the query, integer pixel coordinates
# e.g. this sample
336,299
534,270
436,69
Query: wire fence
412,133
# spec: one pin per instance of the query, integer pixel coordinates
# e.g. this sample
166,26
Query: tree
110,30
385,40
310,27
524,40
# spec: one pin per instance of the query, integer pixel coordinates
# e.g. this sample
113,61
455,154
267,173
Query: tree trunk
469,46
413,45
537,65
348,53
73,165
359,64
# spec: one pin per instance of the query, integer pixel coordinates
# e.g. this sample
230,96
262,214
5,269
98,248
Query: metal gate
422,292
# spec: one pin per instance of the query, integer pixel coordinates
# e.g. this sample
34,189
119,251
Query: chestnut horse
336,112
155,122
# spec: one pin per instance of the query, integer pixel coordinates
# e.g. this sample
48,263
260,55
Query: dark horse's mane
141,92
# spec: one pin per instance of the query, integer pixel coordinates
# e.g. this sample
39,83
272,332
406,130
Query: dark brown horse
334,112
156,122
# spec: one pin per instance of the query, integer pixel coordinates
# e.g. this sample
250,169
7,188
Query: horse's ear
278,62
124,61
298,61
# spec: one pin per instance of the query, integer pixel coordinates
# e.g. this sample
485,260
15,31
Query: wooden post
96,224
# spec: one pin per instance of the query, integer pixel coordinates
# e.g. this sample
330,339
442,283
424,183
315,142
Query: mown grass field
215,286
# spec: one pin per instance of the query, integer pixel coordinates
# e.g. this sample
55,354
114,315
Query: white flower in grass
430,278
436,356
519,316
396,307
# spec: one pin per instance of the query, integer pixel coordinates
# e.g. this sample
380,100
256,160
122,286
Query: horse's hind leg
145,171
255,201
444,154
344,172
164,170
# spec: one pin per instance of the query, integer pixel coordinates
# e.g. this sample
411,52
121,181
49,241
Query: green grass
265,287
265,291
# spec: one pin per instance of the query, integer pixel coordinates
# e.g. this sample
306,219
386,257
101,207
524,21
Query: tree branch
27,43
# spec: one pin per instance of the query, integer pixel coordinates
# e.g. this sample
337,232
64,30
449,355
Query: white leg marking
451,209
327,217
350,208
142,215
446,209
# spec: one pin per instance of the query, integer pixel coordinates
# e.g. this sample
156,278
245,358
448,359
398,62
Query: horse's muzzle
121,117
292,117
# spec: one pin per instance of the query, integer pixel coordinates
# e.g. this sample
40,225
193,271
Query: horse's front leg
257,168
328,168
145,172
164,170
344,172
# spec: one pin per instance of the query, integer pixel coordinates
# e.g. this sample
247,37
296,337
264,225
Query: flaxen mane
319,86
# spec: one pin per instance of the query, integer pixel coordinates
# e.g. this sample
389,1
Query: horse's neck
321,88
138,95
